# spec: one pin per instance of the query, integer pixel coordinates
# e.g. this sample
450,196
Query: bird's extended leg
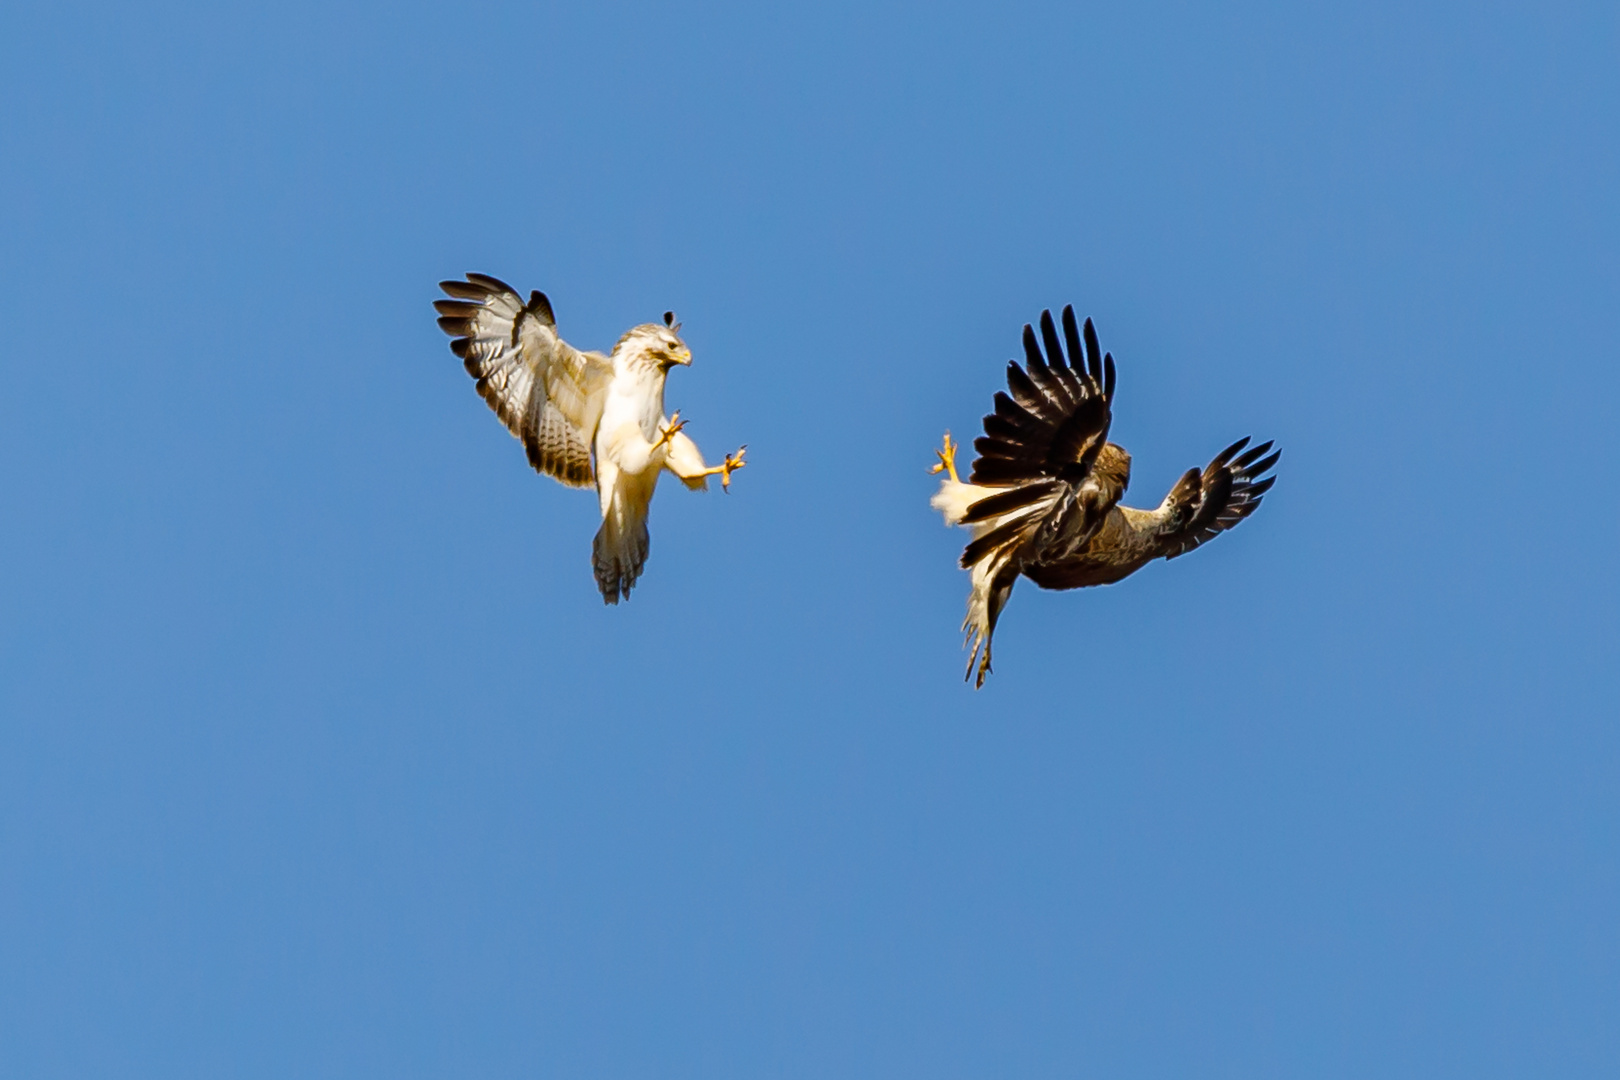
947,459
732,463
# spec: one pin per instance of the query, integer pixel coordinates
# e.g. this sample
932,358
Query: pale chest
636,396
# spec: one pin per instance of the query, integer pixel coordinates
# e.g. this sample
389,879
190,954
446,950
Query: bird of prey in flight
584,418
1043,497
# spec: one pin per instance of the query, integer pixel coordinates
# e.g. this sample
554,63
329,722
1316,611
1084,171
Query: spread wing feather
1008,500
546,392
1055,419
1227,491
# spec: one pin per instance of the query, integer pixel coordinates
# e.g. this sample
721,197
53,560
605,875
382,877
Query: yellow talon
675,424
732,463
947,459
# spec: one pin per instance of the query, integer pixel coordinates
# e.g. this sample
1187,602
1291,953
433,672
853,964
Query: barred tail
619,551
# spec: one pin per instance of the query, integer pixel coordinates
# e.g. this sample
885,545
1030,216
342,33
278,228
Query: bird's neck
640,383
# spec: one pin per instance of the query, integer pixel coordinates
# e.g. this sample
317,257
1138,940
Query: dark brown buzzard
1043,497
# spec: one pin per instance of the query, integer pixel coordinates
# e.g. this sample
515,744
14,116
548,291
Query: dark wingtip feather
1251,455
1226,455
1093,350
1054,347
1024,390
466,290
1071,332
489,282
540,304
1032,349
1266,465
1007,407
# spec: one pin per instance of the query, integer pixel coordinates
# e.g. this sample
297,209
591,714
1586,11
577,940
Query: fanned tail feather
619,552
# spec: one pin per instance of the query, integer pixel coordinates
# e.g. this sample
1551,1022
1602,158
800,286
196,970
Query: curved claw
675,424
732,463
947,459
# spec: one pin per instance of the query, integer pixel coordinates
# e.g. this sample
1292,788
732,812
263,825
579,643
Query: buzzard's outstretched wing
1056,419
1041,444
546,392
1227,491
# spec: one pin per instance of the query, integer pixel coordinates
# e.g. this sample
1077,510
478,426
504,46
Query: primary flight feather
585,418
1043,497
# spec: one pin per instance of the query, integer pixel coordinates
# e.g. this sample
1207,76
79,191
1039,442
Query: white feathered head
661,345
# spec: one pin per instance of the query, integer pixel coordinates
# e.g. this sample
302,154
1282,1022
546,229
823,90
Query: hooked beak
682,356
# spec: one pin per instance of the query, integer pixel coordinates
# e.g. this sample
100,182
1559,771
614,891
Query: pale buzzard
1043,497
583,417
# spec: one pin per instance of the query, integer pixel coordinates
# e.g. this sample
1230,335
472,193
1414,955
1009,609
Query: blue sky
321,757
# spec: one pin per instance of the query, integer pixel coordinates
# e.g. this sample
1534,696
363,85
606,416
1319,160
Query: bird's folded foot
732,463
675,424
947,459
